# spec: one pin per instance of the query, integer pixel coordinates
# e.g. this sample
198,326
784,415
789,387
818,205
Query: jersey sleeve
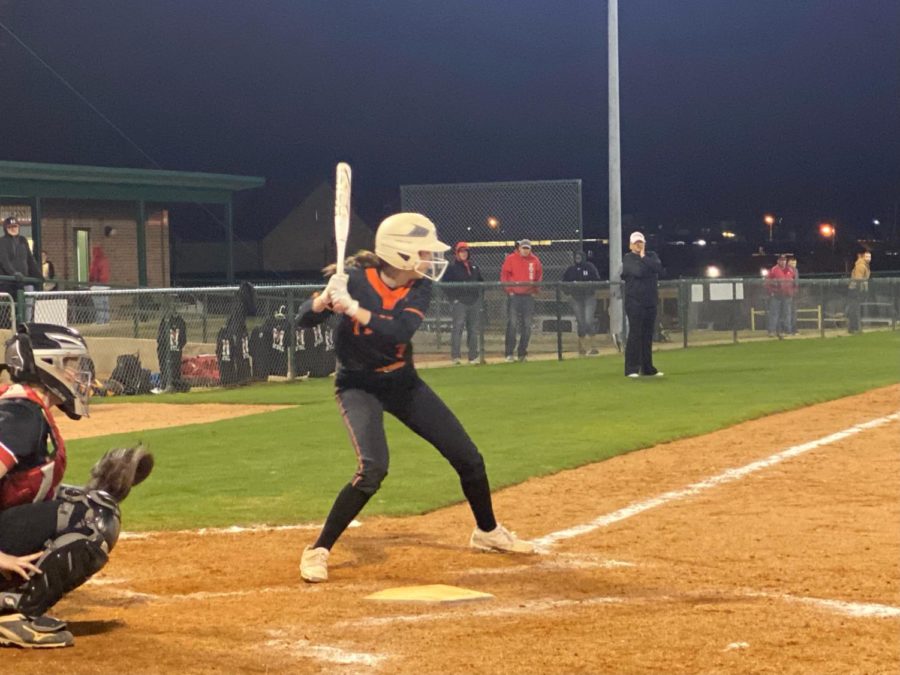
307,318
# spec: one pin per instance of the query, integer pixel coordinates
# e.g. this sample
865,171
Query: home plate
431,593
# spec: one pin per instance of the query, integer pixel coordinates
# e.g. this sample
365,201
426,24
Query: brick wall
62,217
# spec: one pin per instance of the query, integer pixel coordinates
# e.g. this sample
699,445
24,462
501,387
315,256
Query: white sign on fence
55,310
723,291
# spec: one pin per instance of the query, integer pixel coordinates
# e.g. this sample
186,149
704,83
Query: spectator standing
640,272
792,264
99,278
859,286
48,271
16,260
780,288
520,267
465,302
584,302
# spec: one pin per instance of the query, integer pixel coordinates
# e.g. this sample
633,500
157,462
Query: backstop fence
491,217
176,338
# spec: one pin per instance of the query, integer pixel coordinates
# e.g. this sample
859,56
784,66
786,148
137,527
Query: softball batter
383,300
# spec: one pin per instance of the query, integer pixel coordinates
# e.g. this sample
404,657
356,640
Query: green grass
528,419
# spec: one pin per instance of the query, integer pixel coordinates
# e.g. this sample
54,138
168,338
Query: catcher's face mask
68,378
65,373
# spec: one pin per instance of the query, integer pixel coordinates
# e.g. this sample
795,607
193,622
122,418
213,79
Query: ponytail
362,259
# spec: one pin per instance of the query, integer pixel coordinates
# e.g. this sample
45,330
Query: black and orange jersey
385,345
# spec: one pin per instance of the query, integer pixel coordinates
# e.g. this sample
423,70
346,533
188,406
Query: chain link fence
178,338
491,217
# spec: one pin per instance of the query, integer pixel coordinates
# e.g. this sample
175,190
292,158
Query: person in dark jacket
16,260
640,272
466,303
584,302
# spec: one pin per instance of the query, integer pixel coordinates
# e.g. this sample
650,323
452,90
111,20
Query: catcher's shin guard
102,515
79,550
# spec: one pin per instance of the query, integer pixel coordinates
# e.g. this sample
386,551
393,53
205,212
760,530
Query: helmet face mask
71,376
56,359
408,241
431,265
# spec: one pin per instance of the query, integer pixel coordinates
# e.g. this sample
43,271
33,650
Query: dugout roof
34,182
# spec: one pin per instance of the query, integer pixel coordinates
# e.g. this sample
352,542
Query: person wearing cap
16,259
520,269
584,301
780,289
640,272
465,302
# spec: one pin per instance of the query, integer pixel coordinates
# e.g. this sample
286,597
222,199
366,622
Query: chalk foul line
860,610
305,649
727,476
234,529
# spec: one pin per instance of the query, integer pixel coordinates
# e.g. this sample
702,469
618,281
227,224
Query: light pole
828,230
616,323
769,220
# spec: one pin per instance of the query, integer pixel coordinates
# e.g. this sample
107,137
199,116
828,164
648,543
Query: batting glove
337,285
344,304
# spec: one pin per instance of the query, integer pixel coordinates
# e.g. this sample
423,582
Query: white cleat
314,565
499,539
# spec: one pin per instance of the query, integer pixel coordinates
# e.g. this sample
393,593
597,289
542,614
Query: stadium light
828,231
769,220
493,223
713,272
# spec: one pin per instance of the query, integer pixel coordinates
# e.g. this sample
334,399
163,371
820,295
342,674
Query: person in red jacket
780,288
520,267
99,278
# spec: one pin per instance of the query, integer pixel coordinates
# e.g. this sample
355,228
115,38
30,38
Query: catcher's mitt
119,470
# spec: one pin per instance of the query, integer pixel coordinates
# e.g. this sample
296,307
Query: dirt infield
791,567
126,417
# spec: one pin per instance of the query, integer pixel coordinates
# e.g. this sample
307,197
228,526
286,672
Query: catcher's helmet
56,358
408,241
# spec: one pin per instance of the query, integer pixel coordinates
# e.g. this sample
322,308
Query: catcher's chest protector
38,483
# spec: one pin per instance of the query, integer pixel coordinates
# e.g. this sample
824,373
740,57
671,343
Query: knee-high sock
347,506
478,493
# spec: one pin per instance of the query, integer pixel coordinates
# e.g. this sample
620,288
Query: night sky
729,109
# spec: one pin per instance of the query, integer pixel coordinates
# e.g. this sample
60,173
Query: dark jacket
458,272
641,276
16,258
580,271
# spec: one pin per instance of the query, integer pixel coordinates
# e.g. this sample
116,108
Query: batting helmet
408,241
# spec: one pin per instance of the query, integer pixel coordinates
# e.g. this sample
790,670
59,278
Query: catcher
53,537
